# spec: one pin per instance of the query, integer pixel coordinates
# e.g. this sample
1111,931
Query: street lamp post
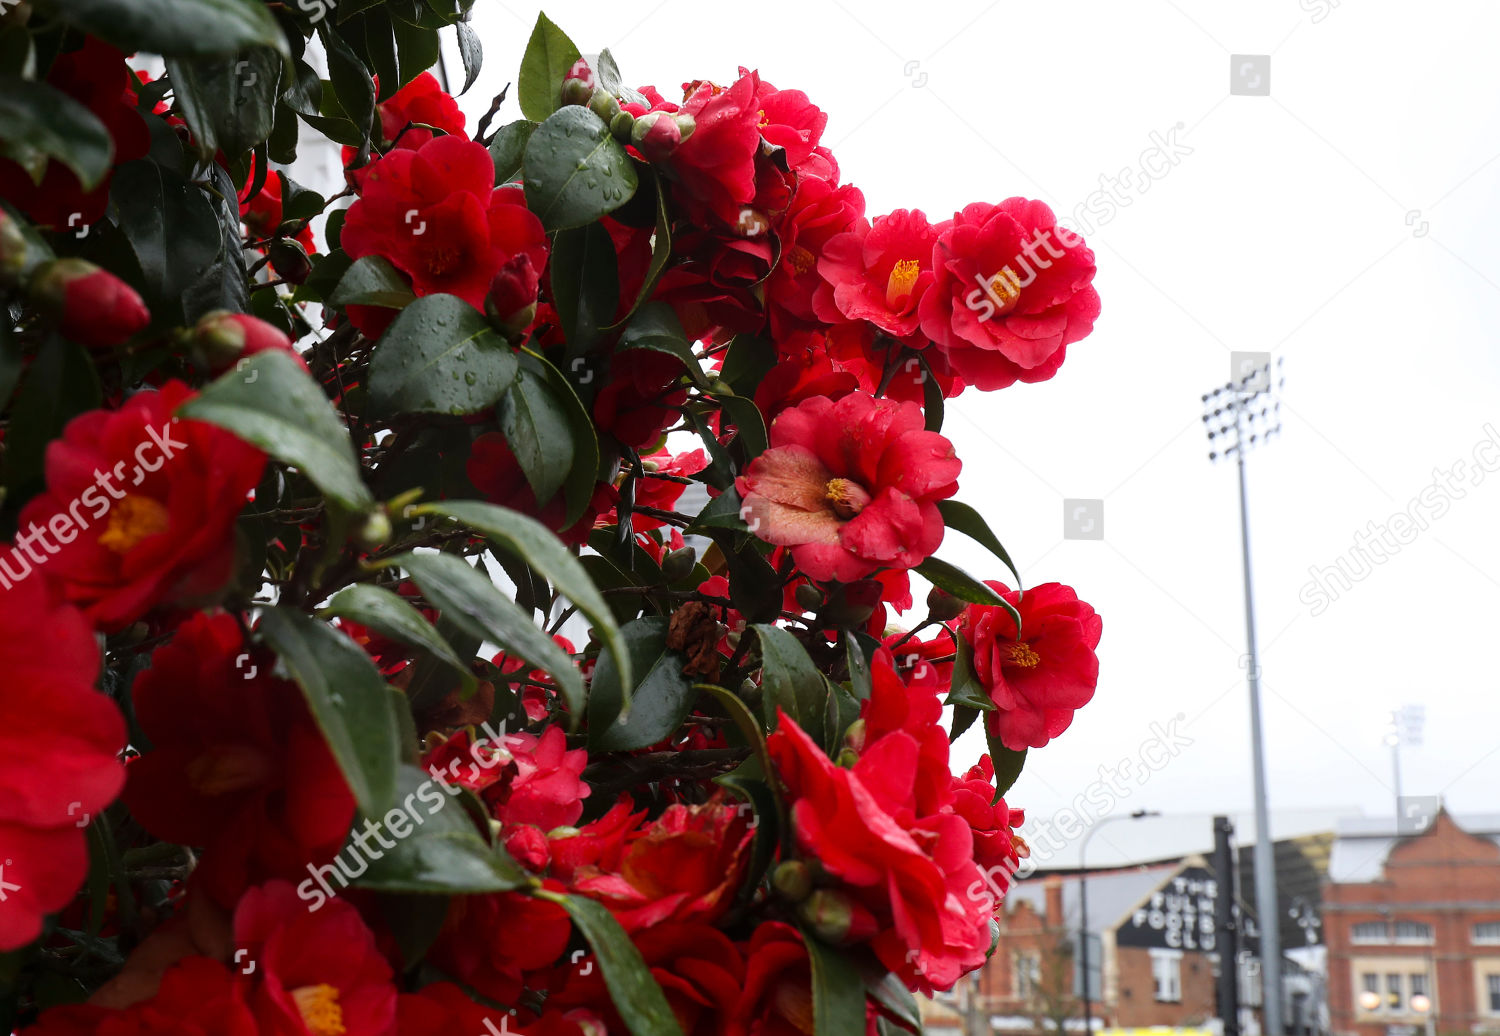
1231,414
1083,909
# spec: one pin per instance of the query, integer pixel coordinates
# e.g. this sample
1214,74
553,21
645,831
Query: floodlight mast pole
1237,397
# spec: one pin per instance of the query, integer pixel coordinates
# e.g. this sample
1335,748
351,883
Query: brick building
1414,915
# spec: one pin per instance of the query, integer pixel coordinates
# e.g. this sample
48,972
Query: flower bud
685,124
809,597
376,530
852,604
621,126
89,305
289,260
854,737
13,250
846,759
577,90
678,565
511,302
581,72
222,338
656,135
836,918
942,606
605,105
792,879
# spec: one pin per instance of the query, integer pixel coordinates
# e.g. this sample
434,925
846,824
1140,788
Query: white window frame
1423,936
1166,975
1362,933
1485,933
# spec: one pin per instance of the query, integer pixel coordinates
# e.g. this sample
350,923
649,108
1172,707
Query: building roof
1361,844
1112,894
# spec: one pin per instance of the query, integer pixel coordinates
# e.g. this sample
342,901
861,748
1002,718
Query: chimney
1053,890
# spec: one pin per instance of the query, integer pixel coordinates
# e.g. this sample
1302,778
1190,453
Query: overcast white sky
1346,222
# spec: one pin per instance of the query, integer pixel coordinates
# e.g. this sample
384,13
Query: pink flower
851,486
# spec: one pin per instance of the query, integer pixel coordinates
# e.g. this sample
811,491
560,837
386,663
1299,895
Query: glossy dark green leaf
347,698
224,285
437,848
526,538
607,72
471,51
582,475
749,359
469,599
270,401
963,719
1008,763
887,990
439,356
353,90
548,57
536,425
37,252
971,523
171,226
508,148
790,682
965,688
747,418
838,992
722,512
586,291
857,657
44,120
229,105
655,327
298,202
417,49
575,171
623,717
372,281
963,586
177,27
393,616
60,384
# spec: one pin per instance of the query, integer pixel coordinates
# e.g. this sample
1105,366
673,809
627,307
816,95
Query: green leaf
1008,763
968,521
470,600
417,49
887,990
790,682
607,72
582,476
585,288
439,356
632,990
228,105
176,28
372,281
963,719
43,119
746,416
12,362
508,148
549,55
748,360
575,171
272,403
536,426
722,512
655,327
471,51
858,660
353,93
965,688
440,851
838,990
347,697
393,616
526,538
963,586
661,246
171,227
623,718
37,252
60,384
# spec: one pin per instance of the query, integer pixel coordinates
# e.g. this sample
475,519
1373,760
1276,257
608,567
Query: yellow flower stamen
132,520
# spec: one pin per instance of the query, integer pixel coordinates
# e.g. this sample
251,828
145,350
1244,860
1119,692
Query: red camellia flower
777,998
819,212
878,272
59,743
197,997
715,166
437,215
96,76
417,105
492,942
885,829
1012,290
89,305
635,403
141,505
685,866
238,765
851,486
1038,679
317,973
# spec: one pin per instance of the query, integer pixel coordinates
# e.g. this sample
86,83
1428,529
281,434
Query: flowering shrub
491,609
